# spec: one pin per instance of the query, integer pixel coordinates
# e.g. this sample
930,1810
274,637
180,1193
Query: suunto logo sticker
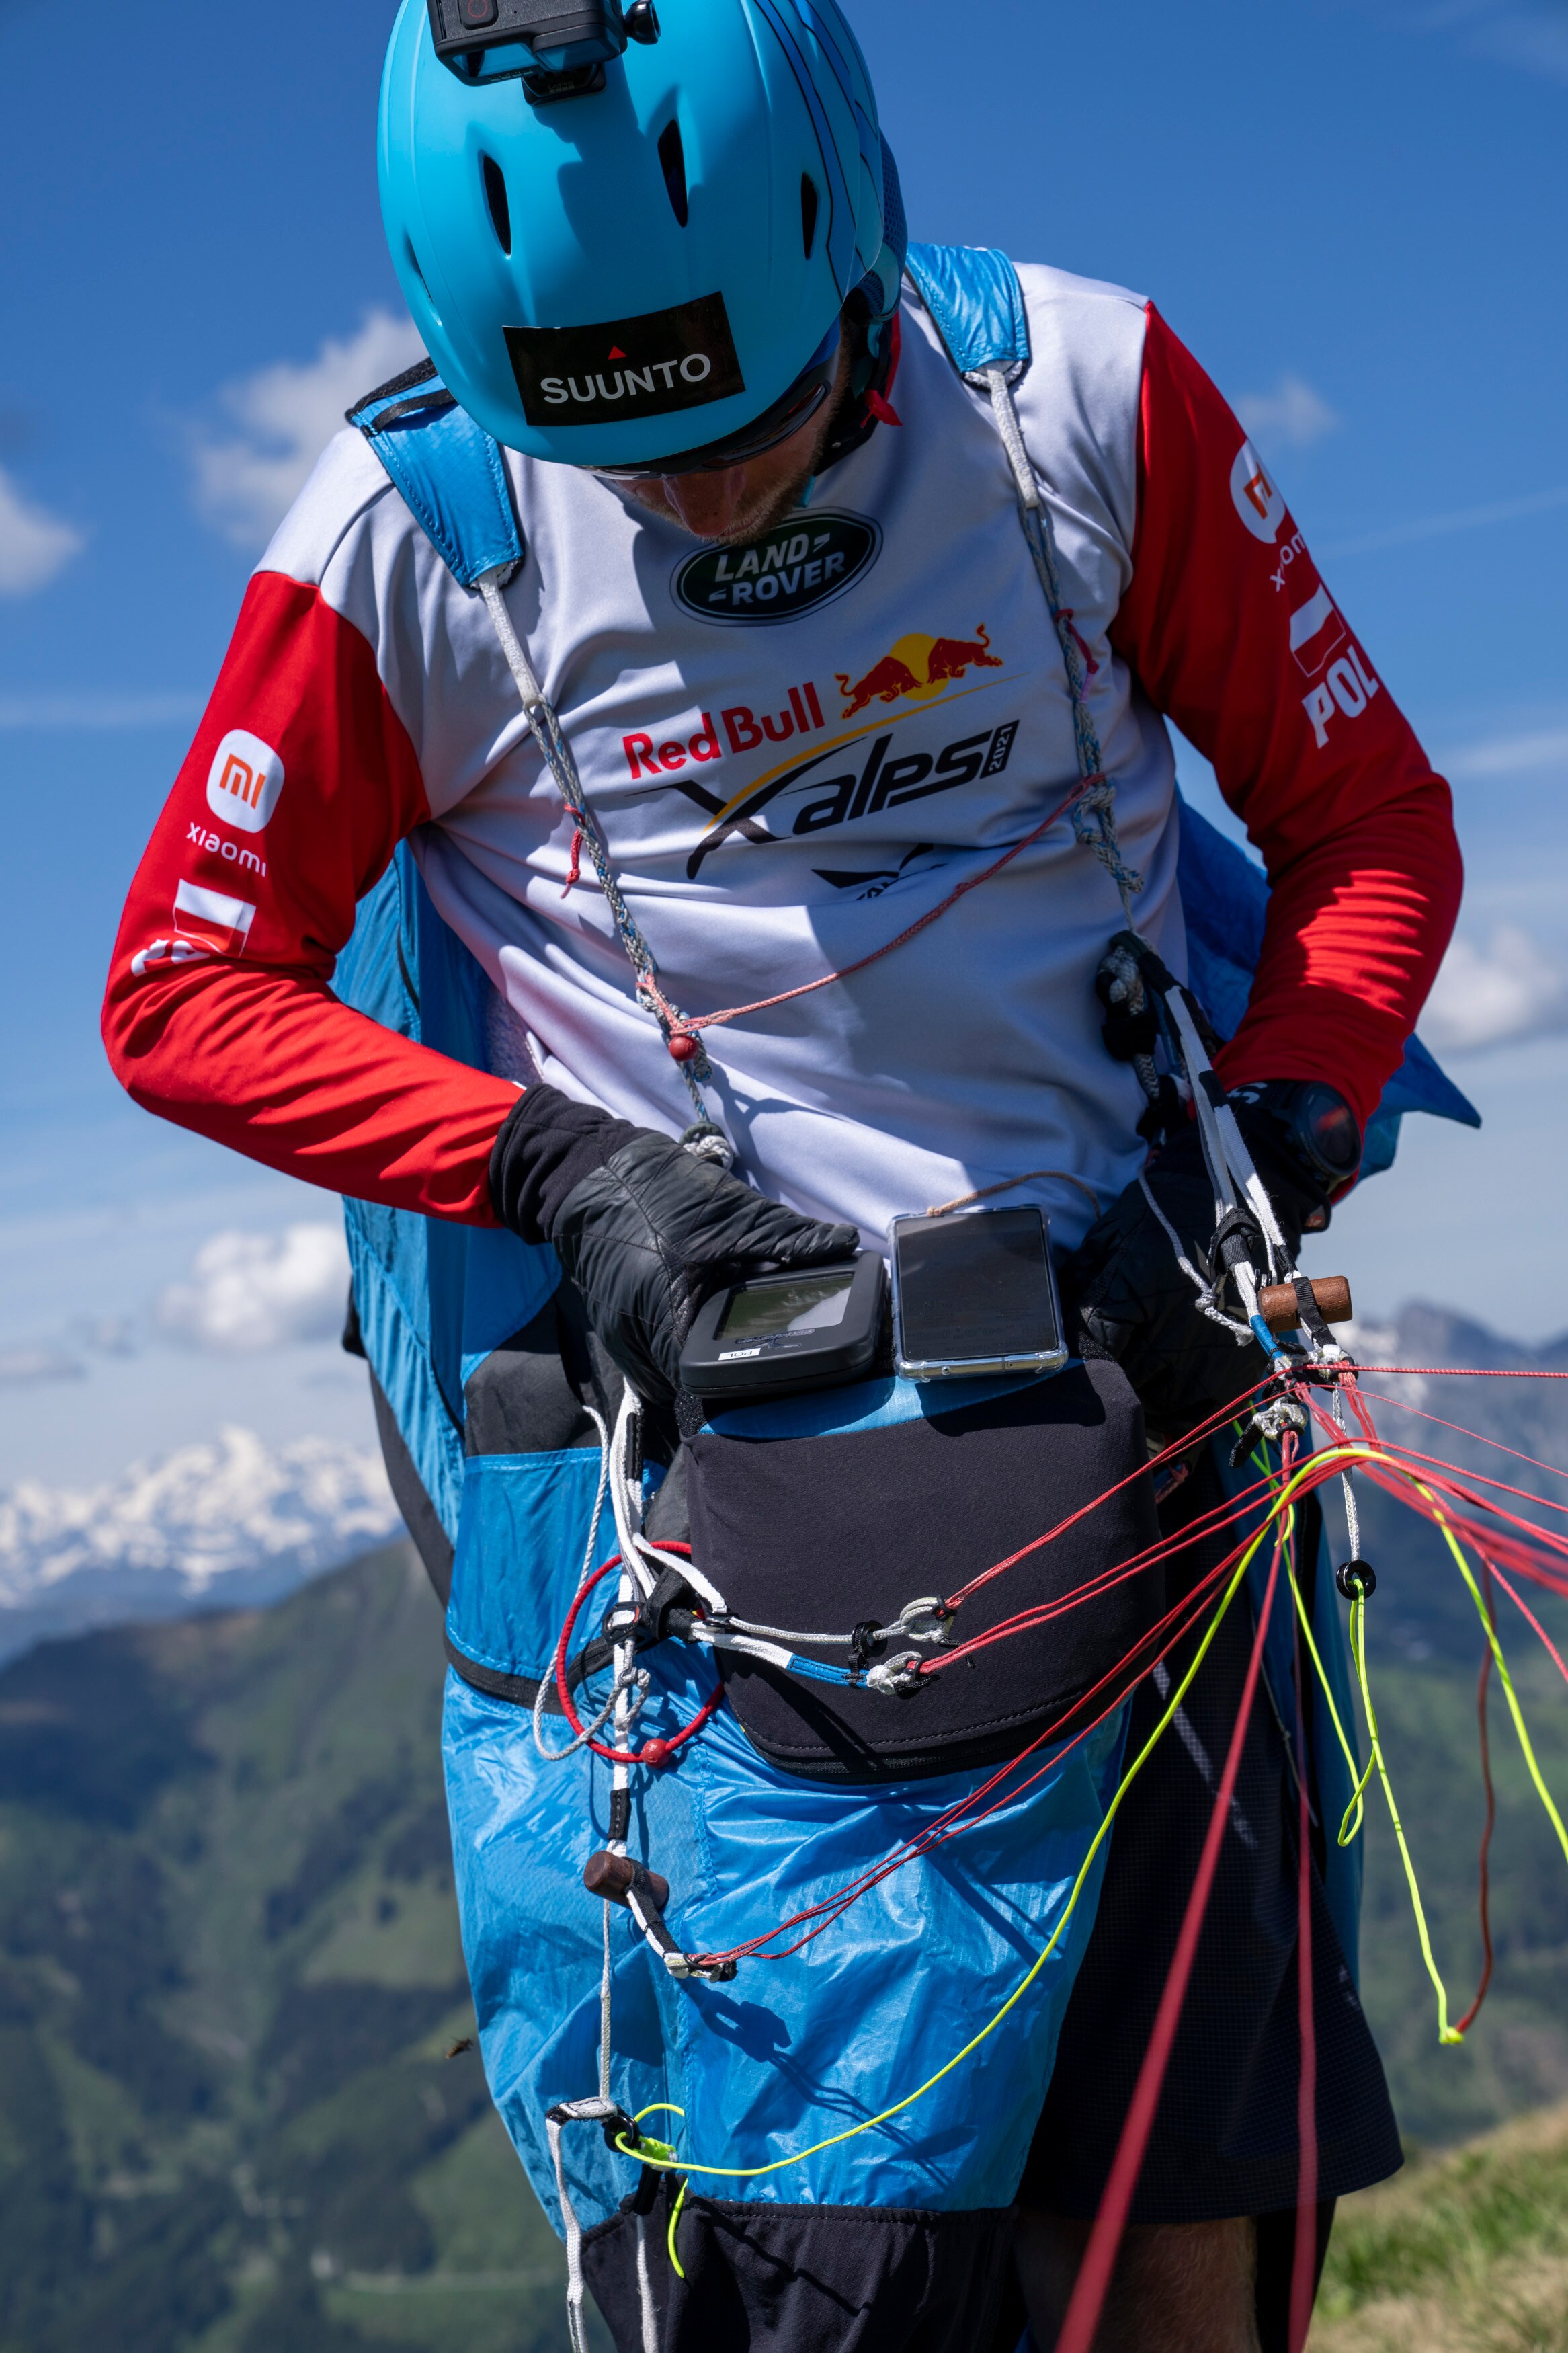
789,570
625,368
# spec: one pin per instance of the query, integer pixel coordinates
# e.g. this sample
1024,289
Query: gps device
973,1292
771,1334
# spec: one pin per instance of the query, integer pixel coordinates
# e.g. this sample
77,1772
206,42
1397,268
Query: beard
730,508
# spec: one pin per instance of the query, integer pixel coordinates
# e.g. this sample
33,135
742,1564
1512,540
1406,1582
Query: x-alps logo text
922,672
875,778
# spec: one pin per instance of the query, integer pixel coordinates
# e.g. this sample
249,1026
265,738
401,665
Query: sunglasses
793,408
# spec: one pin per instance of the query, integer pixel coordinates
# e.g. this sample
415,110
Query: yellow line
1283,1506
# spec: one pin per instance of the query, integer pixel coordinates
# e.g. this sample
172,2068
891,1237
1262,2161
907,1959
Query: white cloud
87,708
21,1365
286,414
1535,39
1509,755
1291,416
33,544
1495,997
1531,36
261,1291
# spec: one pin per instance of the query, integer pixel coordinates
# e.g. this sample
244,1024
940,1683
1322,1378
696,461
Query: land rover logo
787,572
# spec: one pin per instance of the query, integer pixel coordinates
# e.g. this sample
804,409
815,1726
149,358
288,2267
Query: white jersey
793,753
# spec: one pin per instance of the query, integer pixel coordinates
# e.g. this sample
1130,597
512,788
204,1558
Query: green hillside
1424,1644
229,1972
1466,2253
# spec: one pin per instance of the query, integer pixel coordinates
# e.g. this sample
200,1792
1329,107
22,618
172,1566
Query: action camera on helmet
559,48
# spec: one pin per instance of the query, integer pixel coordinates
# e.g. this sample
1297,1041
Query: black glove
644,1227
1132,1301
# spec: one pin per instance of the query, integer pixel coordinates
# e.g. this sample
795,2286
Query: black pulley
1357,1578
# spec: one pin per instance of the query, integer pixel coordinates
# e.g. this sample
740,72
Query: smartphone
974,1292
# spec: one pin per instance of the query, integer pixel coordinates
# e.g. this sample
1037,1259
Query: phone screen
975,1287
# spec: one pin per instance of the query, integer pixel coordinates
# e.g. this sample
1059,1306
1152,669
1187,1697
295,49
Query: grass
1465,2253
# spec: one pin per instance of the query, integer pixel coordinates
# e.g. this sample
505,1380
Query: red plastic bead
656,1753
683,1049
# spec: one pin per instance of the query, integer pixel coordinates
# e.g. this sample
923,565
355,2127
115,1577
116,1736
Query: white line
1403,534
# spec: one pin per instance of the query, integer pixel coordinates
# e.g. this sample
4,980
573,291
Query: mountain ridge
225,1523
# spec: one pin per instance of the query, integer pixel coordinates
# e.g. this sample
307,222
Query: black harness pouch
824,1532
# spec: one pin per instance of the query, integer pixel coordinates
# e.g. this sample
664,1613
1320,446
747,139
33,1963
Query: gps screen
802,1303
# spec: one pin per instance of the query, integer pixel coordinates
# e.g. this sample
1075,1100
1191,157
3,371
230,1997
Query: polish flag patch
216,922
1316,632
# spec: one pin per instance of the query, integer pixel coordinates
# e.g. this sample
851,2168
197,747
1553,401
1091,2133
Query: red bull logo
919,668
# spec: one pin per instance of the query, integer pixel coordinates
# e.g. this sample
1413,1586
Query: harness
436,1303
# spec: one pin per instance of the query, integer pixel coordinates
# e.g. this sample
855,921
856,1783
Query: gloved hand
643,1227
1132,1301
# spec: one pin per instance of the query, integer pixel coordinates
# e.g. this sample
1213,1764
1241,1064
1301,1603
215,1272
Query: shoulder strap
972,293
975,297
449,471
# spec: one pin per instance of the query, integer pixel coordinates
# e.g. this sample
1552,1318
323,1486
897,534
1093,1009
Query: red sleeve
1230,631
300,785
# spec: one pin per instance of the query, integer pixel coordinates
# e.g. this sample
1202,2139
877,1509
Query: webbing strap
973,294
449,471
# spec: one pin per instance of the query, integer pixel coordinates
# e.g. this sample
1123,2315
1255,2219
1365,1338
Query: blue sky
1353,211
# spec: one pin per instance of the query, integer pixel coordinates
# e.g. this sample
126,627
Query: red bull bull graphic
918,666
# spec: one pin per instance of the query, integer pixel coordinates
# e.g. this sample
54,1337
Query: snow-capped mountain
212,1526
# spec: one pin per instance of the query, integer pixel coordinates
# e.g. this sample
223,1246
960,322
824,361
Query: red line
1157,1554
1177,1448
1304,2258
1530,1619
1460,1372
1077,2329
959,1817
1439,1422
1463,2025
693,1022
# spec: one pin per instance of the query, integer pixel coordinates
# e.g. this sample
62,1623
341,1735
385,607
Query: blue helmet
622,239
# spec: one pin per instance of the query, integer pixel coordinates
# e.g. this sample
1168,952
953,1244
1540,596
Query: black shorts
1224,2135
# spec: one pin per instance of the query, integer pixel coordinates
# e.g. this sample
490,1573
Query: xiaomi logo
1254,496
244,781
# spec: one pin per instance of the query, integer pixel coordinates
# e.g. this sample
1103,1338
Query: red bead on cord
653,1753
683,1048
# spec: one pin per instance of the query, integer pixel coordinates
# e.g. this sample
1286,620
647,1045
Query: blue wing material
434,1298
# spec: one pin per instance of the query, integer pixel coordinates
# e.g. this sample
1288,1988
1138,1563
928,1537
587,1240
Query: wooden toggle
614,1877
1276,1302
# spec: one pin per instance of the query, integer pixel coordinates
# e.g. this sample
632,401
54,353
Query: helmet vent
424,287
495,197
808,205
672,155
